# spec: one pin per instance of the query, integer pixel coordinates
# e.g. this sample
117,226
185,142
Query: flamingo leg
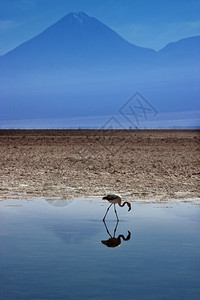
116,213
107,212
116,227
107,228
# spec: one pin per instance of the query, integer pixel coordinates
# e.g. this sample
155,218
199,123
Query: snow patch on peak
80,16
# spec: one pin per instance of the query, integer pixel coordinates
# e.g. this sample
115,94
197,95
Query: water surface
53,250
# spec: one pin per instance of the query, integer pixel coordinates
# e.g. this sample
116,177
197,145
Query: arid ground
158,164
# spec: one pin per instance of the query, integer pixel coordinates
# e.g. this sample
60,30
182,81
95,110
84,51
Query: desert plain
139,164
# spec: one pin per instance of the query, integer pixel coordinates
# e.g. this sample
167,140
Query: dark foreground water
54,250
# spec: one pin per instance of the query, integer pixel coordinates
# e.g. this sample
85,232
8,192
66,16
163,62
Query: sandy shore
159,164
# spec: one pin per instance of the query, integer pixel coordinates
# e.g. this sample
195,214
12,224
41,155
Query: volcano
76,40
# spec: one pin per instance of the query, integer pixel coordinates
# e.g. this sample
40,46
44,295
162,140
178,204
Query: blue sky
147,23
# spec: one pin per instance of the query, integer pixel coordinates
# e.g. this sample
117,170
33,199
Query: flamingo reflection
113,241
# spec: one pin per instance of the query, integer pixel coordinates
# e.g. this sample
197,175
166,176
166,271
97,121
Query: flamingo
115,199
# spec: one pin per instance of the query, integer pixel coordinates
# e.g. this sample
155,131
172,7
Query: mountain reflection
113,241
59,202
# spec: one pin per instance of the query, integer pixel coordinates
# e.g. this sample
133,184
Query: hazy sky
147,23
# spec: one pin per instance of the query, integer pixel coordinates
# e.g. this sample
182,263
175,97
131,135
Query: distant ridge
186,49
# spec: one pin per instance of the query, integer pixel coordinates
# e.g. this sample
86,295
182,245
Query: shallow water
53,250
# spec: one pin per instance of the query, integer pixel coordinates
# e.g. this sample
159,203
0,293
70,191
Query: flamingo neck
122,205
128,204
